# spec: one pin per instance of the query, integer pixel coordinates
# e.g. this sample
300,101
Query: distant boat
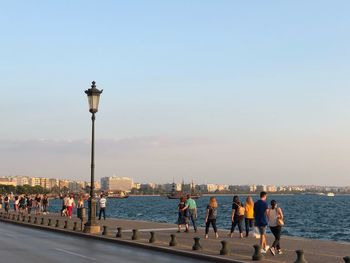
120,195
178,194
330,194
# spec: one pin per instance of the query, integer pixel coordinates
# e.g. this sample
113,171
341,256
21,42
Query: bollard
135,235
346,259
257,253
57,223
119,233
225,249
105,231
18,217
75,226
153,237
49,222
300,256
196,245
42,221
35,220
65,224
172,242
29,219
23,218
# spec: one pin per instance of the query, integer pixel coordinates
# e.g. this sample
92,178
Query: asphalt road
27,245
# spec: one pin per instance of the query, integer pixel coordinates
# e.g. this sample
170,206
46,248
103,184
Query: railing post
225,249
196,245
257,256
300,256
105,231
135,234
153,237
172,242
119,232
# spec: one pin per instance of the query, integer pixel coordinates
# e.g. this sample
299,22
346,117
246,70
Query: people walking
70,205
237,216
45,202
182,215
102,203
261,220
248,215
276,221
38,204
210,216
191,205
7,203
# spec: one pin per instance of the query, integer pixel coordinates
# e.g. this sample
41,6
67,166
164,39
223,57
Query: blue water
309,216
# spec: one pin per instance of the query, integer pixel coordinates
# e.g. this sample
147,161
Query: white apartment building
115,183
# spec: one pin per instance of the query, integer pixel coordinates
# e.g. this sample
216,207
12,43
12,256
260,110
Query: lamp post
91,225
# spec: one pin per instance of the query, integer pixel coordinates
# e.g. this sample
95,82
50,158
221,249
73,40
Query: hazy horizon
225,92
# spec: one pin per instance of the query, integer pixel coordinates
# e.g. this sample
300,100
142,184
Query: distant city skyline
227,92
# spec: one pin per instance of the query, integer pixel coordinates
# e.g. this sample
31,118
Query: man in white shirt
102,203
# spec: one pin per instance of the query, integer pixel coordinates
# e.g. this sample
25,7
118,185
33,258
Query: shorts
262,230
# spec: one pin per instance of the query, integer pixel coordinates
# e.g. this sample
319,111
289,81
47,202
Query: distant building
52,183
34,181
7,181
21,180
63,184
115,183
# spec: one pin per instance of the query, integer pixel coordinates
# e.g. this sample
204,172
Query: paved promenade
241,250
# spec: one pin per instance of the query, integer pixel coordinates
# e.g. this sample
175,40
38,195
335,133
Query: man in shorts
260,215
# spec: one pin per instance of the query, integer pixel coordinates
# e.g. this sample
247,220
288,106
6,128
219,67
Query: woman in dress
275,216
210,216
237,216
249,214
182,215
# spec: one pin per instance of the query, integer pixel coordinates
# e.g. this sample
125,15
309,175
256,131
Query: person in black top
210,217
237,216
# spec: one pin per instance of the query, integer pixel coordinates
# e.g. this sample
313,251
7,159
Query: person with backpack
237,216
276,221
210,216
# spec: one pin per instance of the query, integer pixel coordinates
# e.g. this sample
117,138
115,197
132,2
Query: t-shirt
70,202
103,202
213,212
260,217
249,211
191,203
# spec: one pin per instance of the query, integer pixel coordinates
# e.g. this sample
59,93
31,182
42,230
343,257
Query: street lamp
91,225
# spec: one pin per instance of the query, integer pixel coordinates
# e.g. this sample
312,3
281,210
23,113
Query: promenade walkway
241,250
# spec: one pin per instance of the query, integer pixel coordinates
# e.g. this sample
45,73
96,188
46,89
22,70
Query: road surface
27,245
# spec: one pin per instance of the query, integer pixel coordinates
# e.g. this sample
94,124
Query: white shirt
103,202
70,201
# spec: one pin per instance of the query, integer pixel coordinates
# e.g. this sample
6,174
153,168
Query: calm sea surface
310,216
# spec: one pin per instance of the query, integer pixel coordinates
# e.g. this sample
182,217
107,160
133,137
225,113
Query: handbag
240,209
280,220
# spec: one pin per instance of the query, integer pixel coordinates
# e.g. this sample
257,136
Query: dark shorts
262,230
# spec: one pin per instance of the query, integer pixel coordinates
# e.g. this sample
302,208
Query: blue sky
224,92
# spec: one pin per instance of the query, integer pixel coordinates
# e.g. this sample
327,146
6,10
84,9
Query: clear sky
215,91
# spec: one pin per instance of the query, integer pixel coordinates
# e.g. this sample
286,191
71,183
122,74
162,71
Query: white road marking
75,254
